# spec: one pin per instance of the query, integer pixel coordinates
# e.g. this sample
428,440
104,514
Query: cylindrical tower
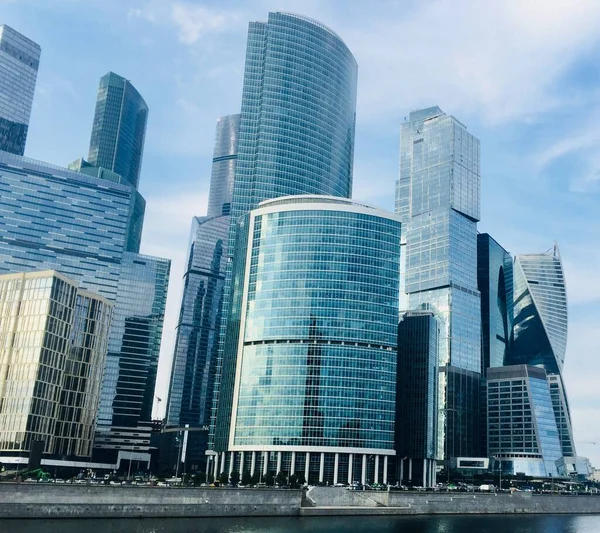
314,389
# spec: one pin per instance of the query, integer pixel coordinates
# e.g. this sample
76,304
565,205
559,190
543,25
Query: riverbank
63,501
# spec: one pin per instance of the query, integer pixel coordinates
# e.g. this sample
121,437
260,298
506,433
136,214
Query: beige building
53,344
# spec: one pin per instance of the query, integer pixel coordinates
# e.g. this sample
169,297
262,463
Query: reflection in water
365,524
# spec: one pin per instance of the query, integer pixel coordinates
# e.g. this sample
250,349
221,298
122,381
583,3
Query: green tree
269,479
234,478
246,478
281,478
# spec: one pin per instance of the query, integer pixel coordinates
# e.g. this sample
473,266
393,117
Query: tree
234,478
246,478
224,477
269,479
281,478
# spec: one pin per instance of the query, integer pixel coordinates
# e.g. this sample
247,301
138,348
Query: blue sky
522,75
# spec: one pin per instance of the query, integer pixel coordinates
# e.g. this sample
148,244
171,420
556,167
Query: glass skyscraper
76,224
53,339
223,167
522,433
315,380
119,128
19,62
296,137
539,329
416,398
437,196
494,280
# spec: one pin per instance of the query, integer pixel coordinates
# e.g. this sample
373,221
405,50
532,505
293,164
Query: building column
410,469
293,464
385,466
253,463
425,484
363,477
401,470
265,463
216,466
350,480
278,463
307,467
231,462
321,467
241,464
376,480
336,465
208,464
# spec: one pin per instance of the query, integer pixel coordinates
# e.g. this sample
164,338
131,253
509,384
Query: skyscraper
19,62
77,224
437,196
223,167
539,329
296,137
494,280
416,398
314,387
119,128
54,339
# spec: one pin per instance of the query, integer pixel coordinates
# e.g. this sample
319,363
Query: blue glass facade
19,62
296,137
223,167
316,361
197,335
437,196
494,280
522,430
119,128
53,218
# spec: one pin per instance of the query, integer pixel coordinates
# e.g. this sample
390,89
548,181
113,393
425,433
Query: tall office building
416,398
76,224
539,330
522,433
437,196
119,128
314,385
53,339
223,165
296,137
19,62
197,333
494,280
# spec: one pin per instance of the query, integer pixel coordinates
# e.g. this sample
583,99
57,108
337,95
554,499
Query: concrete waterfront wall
375,502
25,500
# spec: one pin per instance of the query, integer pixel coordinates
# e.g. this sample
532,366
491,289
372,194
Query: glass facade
197,334
522,431
494,280
76,224
223,167
19,62
54,339
317,362
416,430
296,137
119,128
437,197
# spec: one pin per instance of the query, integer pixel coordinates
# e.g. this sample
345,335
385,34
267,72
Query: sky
522,75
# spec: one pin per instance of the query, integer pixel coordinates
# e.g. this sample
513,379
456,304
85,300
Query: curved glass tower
296,137
119,128
539,328
314,388
223,167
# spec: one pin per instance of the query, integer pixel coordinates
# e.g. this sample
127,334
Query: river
354,524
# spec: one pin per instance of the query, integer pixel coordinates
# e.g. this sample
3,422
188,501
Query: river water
353,524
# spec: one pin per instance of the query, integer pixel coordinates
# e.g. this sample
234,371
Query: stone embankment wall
339,501
84,501
25,500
